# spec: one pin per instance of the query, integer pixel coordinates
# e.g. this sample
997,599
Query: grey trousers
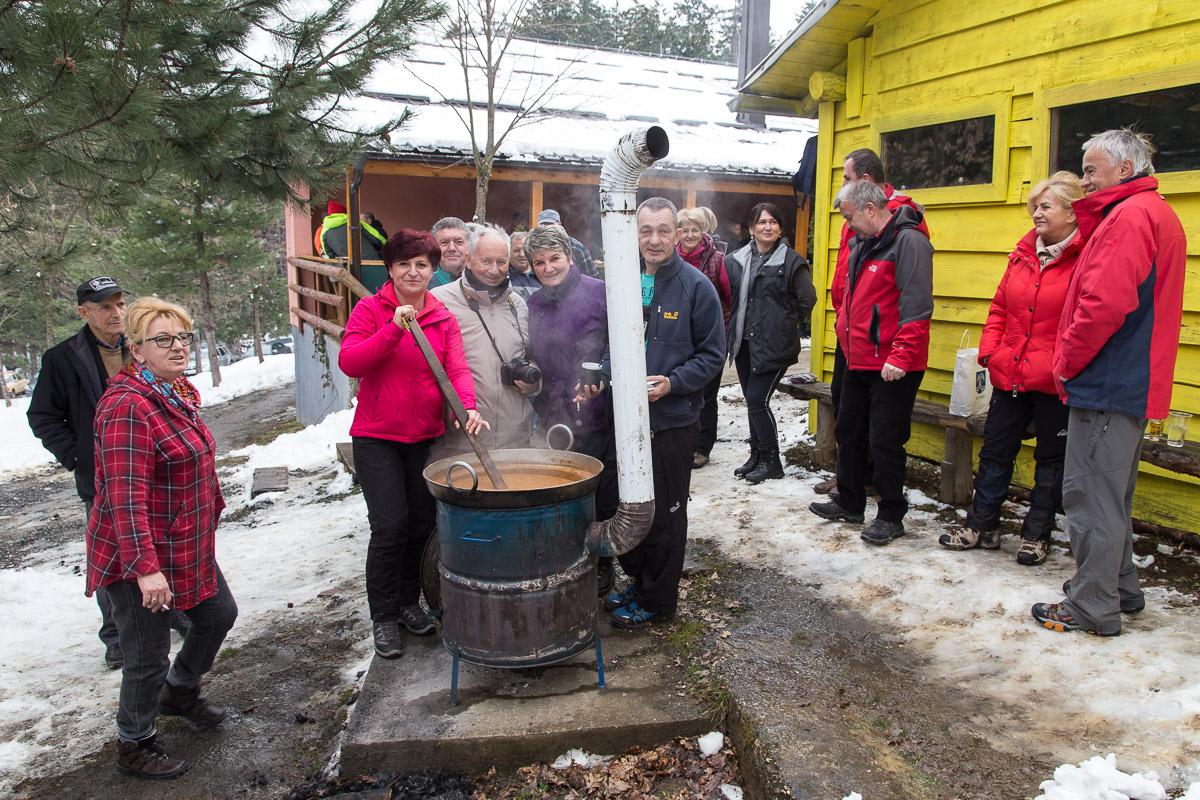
1099,476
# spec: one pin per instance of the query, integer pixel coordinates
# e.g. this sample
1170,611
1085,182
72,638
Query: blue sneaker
632,616
614,600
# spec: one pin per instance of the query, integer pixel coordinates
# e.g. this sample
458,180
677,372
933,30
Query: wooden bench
957,477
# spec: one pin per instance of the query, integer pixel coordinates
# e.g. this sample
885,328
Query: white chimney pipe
633,154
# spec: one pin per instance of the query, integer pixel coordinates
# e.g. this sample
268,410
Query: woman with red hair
398,417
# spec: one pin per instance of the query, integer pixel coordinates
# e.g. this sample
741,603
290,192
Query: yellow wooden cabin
970,104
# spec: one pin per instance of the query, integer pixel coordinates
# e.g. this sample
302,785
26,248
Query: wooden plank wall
930,56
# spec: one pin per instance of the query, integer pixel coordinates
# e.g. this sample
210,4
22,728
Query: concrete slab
269,479
506,718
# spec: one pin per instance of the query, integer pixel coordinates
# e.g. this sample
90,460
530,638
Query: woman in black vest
773,296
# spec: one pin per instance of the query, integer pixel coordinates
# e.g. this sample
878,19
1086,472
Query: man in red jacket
1115,366
883,330
865,165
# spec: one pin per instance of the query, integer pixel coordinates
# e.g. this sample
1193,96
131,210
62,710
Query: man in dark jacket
74,374
334,235
883,329
685,349
580,256
1114,363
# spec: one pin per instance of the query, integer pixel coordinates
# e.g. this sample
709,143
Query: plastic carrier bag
972,389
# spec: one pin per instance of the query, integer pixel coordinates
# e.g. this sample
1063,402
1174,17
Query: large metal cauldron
517,583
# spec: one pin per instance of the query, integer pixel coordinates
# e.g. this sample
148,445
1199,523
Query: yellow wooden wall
929,61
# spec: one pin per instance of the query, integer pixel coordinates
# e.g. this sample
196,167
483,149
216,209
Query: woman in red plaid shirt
152,533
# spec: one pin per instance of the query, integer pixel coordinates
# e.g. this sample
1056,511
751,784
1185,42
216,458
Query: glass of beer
1177,423
1154,430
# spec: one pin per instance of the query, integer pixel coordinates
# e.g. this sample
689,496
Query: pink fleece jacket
398,397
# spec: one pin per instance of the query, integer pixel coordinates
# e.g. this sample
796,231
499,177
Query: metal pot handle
570,436
470,470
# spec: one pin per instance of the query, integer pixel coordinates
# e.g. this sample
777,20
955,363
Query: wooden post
825,453
691,198
535,203
956,468
801,238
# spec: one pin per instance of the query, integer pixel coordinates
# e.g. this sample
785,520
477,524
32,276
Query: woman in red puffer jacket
1017,347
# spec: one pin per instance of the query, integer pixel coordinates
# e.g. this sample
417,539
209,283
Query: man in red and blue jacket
1114,364
883,330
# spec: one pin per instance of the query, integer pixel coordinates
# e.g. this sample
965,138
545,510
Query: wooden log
345,454
269,479
825,454
318,323
956,468
825,87
333,272
317,294
1184,459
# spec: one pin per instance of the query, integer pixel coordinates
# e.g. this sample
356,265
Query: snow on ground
21,451
967,614
56,700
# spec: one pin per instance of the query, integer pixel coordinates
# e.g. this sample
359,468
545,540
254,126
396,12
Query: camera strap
473,304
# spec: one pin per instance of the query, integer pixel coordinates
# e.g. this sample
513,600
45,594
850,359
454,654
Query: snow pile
731,792
577,757
1099,779
711,743
853,796
246,376
967,614
20,449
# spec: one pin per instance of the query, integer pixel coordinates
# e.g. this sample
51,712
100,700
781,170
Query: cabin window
1170,116
955,153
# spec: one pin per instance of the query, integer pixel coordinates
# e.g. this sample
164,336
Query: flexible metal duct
633,154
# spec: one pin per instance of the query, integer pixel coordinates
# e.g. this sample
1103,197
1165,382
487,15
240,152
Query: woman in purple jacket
568,329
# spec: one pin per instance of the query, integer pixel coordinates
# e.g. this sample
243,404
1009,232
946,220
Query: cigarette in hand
164,607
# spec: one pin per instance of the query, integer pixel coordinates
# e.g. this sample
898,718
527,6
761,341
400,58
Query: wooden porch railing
335,293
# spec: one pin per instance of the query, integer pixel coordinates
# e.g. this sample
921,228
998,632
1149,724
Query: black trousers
875,421
758,388
708,418
656,565
1009,416
402,515
602,446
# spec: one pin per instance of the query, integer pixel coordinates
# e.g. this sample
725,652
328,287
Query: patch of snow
853,796
731,792
918,498
577,757
246,376
967,615
1099,779
711,743
1143,561
20,450
1192,793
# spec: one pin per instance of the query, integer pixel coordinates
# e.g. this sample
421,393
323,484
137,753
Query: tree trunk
4,383
482,180
206,305
47,312
256,298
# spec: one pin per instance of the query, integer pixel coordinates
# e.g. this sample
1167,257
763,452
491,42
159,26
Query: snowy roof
583,101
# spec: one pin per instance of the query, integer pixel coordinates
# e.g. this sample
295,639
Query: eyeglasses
165,340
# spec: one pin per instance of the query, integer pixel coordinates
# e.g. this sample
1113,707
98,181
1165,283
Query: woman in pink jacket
398,416
1016,347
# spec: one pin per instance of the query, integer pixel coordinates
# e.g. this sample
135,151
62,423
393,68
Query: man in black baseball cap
74,374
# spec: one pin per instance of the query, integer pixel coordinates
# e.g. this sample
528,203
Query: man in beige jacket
495,329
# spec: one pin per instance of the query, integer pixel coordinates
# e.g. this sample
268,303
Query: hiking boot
1126,608
826,487
417,620
604,576
114,656
1033,553
619,598
964,538
990,540
769,467
833,511
147,759
750,464
1056,617
699,460
632,616
882,532
388,643
186,702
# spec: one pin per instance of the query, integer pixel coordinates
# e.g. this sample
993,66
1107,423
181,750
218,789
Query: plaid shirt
157,497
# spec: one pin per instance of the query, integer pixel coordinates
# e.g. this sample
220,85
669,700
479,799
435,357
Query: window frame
997,106
1047,100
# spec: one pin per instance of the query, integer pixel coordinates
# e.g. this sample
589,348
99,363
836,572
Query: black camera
519,369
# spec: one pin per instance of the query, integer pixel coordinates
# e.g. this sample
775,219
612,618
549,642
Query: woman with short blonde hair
1017,347
151,537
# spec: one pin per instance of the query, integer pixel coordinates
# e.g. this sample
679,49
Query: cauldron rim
435,478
